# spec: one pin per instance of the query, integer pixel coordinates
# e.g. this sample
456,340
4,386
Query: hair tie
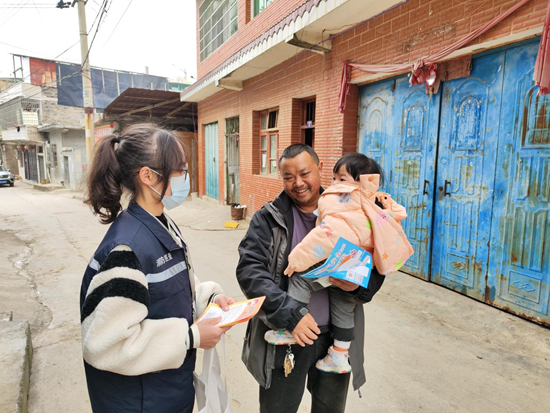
114,142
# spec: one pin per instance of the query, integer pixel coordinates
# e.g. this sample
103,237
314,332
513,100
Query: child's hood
343,196
368,185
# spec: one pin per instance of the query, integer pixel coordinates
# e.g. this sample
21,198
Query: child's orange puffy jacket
349,211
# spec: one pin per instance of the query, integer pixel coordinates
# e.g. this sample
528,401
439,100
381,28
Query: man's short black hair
294,150
357,164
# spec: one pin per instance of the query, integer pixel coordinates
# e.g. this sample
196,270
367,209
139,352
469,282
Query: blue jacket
167,271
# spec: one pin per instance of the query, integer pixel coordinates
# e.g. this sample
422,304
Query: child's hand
289,270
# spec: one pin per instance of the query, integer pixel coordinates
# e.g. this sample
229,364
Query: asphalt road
427,349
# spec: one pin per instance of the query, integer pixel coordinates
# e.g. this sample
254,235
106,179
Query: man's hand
306,331
343,285
224,301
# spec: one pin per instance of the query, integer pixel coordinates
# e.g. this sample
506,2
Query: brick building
258,68
269,76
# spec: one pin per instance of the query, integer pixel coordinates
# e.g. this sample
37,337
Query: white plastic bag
210,391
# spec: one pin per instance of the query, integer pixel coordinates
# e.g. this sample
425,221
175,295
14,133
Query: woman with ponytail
139,296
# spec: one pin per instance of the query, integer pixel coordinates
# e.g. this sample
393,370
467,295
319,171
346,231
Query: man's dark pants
328,390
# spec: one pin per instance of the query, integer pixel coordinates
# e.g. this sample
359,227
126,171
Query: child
353,209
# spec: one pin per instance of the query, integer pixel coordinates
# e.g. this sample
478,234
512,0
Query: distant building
45,139
42,137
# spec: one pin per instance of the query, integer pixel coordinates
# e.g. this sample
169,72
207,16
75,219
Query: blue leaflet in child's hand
347,262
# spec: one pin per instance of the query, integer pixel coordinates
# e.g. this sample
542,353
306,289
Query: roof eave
253,59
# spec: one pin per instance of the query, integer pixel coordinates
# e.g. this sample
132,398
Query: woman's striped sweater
116,334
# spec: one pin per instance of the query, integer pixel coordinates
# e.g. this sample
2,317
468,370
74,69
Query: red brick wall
249,29
416,29
422,27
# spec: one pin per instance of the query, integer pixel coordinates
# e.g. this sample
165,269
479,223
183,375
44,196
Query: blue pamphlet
347,262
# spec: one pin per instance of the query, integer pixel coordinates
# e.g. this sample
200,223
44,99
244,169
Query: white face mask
180,187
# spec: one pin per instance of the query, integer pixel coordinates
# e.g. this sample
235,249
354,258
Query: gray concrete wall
52,113
57,172
76,140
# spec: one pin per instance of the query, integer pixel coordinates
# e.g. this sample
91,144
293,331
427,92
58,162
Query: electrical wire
20,48
13,14
38,11
103,11
95,20
28,7
3,106
51,60
119,20
60,54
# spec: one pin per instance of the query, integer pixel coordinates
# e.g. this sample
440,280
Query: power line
119,20
96,17
27,7
50,61
14,13
103,11
36,7
20,48
3,106
18,4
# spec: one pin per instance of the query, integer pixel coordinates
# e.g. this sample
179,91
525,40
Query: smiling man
274,231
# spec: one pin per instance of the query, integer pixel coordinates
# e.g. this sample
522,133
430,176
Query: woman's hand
224,301
210,333
343,285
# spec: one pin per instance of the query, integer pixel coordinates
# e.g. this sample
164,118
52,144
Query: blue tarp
69,86
106,85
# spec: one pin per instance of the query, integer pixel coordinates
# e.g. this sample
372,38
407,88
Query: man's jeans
328,390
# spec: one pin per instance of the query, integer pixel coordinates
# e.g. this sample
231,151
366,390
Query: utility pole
87,91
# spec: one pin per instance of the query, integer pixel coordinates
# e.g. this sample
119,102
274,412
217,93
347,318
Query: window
308,121
259,5
54,154
217,23
269,136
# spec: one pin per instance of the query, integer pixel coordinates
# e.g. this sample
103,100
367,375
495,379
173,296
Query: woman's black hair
357,164
118,159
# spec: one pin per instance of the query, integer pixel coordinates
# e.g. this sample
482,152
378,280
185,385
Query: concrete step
15,359
47,187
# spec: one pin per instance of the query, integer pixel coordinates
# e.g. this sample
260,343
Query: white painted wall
75,140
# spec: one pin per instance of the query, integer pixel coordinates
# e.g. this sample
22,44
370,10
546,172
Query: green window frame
259,6
218,21
269,141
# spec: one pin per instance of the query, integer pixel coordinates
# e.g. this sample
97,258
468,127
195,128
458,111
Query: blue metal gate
468,133
398,128
472,166
211,159
519,271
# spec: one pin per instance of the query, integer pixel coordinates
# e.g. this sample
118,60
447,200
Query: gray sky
160,34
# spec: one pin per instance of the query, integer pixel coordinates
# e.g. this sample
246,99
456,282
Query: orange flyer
238,312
